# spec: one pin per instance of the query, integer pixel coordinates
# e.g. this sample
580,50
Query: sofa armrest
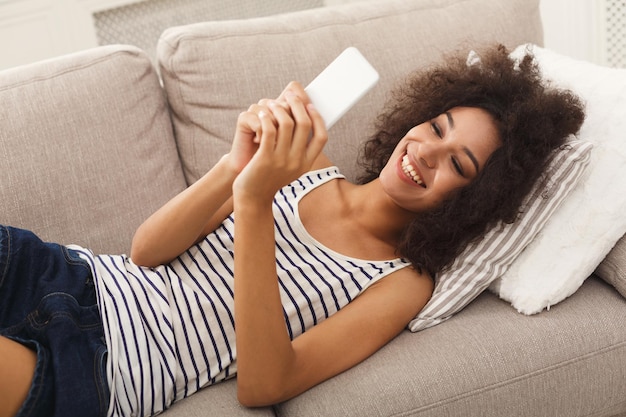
86,146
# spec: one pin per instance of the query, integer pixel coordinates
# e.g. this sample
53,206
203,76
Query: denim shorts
48,303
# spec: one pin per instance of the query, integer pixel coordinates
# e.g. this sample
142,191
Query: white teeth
410,171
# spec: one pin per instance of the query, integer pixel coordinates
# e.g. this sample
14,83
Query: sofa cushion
212,71
491,361
91,129
219,400
592,219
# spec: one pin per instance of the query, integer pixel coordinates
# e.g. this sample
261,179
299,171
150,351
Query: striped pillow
489,258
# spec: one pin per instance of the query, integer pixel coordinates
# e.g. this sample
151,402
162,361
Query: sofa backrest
212,71
86,147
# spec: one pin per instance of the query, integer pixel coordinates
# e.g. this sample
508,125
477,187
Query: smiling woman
529,119
439,156
326,271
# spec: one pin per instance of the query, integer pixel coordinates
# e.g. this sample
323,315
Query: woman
325,272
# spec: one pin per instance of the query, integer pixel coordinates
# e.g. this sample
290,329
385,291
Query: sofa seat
479,363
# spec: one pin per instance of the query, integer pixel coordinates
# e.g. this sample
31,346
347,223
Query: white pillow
593,218
487,259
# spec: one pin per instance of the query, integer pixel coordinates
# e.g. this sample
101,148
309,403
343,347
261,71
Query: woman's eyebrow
472,157
450,120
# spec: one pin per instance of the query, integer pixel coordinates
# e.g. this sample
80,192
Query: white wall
571,27
31,30
574,28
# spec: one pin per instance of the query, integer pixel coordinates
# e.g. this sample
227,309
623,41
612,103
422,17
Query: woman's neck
372,208
355,220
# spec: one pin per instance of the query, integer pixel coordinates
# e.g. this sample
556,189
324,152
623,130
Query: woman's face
439,156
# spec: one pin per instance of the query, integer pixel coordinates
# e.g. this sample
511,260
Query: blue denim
48,303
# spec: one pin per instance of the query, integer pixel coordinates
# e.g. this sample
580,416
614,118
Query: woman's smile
439,156
410,171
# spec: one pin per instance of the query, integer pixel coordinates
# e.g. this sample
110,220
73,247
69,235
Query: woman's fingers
310,134
303,124
320,134
267,135
295,130
287,125
267,102
301,132
296,88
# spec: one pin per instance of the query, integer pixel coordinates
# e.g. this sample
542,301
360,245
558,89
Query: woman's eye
436,129
458,167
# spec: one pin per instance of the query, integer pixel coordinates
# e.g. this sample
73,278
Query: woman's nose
426,163
428,154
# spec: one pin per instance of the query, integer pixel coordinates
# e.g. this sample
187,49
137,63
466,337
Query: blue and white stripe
170,330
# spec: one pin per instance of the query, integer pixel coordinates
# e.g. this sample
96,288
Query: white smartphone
341,84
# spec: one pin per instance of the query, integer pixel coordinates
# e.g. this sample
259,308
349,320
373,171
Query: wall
574,28
31,30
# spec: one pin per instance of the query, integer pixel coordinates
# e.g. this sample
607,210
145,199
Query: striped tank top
170,329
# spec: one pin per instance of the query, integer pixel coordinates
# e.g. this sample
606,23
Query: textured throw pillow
586,227
487,259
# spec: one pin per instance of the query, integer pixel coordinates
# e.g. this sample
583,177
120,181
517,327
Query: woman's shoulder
404,293
408,279
322,161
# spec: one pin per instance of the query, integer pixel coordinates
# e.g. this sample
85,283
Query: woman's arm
286,152
270,367
186,218
199,209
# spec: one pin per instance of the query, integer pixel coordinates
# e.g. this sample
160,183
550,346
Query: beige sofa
92,143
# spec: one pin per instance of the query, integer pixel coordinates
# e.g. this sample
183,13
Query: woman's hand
271,148
282,138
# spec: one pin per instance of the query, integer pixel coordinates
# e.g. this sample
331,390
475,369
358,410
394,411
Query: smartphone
341,84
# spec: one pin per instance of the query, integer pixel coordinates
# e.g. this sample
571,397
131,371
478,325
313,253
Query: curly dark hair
532,118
